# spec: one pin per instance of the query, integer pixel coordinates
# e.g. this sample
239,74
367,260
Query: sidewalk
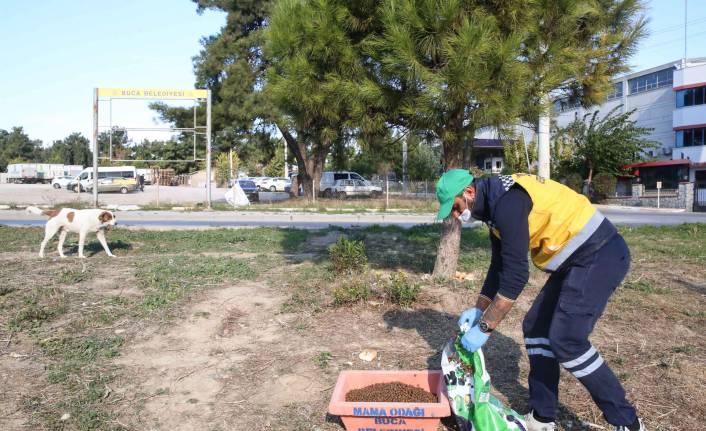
639,209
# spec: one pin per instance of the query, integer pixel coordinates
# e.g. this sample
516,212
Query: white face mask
466,214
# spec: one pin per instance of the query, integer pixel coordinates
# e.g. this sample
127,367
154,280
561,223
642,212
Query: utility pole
286,168
95,150
208,150
230,164
543,155
685,25
404,166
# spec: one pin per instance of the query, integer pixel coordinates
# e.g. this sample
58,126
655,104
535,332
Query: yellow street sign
152,93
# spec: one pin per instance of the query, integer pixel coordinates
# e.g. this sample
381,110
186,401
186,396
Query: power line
677,26
669,42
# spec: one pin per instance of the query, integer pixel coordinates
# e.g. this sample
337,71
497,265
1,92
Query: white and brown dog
80,221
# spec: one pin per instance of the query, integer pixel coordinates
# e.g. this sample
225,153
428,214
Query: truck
31,173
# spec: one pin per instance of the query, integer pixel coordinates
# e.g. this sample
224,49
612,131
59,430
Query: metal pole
230,164
286,168
208,150
195,103
95,148
685,22
543,155
387,190
110,128
404,167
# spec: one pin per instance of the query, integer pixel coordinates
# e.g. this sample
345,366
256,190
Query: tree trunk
310,167
310,176
450,241
449,248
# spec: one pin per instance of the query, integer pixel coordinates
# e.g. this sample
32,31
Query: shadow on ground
94,247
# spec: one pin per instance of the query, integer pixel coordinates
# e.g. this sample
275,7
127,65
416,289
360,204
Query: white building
671,100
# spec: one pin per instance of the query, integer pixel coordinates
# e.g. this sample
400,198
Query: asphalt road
164,220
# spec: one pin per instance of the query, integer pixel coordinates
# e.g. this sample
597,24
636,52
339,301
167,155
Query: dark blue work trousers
557,327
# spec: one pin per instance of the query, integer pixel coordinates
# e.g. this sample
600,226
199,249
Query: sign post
108,94
95,150
208,149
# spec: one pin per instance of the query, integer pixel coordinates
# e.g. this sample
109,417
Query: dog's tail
37,211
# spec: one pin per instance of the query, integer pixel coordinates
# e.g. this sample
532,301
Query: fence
681,198
410,189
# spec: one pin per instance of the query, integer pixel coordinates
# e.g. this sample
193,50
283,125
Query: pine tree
451,67
315,80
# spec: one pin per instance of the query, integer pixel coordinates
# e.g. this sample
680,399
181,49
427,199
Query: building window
616,92
565,104
690,137
662,78
691,97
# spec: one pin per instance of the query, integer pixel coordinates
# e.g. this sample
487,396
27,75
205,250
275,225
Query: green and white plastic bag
473,406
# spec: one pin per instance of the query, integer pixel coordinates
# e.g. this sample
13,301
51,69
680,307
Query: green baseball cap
449,186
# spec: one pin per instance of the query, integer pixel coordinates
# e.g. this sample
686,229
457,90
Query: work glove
469,318
474,339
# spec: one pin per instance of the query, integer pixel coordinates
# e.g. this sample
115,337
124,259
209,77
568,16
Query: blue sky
54,52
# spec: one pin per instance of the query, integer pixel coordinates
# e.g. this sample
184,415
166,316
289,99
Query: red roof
657,163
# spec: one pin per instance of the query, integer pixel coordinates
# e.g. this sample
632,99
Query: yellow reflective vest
560,221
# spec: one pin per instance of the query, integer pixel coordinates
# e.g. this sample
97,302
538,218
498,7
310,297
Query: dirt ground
234,330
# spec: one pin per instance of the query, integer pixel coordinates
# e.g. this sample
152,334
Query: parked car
250,189
277,184
121,179
122,185
349,188
61,182
328,180
259,181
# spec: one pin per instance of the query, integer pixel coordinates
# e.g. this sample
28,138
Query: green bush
348,256
574,182
352,291
400,290
604,186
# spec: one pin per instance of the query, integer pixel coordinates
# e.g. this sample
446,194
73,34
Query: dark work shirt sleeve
492,279
510,217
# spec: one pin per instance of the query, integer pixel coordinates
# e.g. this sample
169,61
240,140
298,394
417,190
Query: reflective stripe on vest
575,242
559,222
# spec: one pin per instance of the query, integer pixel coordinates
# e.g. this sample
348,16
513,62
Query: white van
121,179
328,180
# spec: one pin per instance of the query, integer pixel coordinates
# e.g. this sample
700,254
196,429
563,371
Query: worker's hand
474,339
469,318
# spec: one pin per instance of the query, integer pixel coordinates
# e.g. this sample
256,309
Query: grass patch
309,287
353,290
322,359
258,240
168,280
74,275
348,256
644,285
686,242
32,309
400,290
